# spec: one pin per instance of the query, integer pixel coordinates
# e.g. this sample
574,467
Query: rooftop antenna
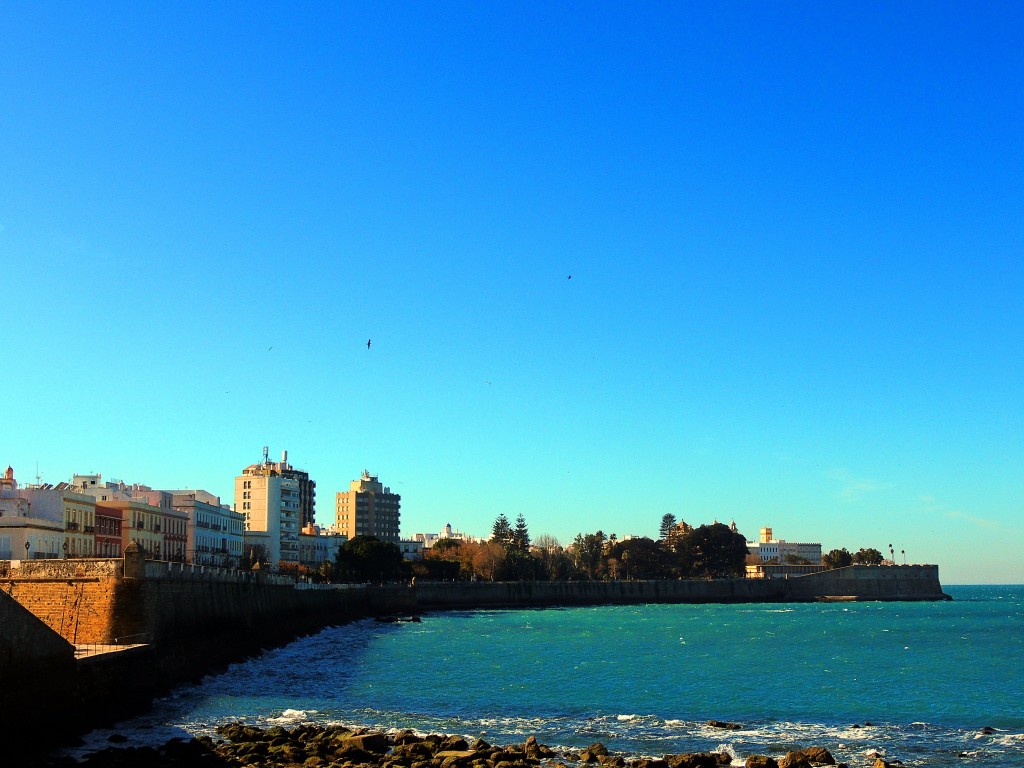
38,476
266,455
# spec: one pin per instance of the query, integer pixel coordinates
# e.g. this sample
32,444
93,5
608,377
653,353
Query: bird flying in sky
368,343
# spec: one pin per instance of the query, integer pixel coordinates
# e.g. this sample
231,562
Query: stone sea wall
185,623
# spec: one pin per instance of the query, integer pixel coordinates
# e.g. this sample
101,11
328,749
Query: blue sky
794,234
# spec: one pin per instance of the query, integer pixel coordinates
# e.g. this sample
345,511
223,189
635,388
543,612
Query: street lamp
27,545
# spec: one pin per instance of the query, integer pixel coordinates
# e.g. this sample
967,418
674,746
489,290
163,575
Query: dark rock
987,730
531,747
414,750
454,743
480,746
810,756
649,762
376,743
612,761
819,756
760,761
698,760
117,738
724,725
456,758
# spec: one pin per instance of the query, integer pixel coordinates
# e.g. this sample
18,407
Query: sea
929,684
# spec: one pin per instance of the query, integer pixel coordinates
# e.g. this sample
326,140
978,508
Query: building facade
214,535
63,502
24,534
268,500
772,550
368,508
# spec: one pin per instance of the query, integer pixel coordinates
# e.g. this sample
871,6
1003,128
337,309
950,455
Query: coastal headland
89,642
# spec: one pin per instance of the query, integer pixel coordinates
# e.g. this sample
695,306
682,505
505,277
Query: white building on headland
428,540
772,550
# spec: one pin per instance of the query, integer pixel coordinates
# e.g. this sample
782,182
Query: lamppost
27,545
65,549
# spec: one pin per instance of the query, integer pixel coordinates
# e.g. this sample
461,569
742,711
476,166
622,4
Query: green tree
837,558
641,558
587,551
444,545
716,551
668,522
521,535
367,558
501,531
868,556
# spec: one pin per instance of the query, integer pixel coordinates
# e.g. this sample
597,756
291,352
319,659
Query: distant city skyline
346,231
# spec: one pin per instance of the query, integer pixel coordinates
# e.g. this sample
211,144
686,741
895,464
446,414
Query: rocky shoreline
335,746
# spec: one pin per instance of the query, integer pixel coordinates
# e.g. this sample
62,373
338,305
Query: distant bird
269,348
368,341
569,277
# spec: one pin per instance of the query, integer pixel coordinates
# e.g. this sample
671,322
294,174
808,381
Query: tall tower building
307,490
368,508
269,496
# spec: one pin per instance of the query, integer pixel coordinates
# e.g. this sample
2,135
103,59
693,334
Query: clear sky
794,233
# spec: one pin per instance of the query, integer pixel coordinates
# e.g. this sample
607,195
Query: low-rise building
108,532
772,550
411,549
23,533
172,526
214,534
140,522
63,502
318,545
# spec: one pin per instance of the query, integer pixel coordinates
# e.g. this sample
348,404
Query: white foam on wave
625,718
291,716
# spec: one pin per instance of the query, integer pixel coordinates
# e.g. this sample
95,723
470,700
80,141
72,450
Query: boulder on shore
698,760
804,758
760,761
724,725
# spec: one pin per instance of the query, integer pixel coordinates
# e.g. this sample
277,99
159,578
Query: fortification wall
465,595
871,582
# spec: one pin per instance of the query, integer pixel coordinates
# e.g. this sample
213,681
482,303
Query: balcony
72,526
90,529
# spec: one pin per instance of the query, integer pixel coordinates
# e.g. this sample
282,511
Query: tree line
510,554
681,551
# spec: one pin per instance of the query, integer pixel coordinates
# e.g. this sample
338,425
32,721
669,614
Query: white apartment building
215,531
269,502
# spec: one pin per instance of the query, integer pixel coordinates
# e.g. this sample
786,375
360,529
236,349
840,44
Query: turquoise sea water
645,679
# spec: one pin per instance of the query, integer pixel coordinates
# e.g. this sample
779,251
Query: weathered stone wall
78,609
25,642
443,595
871,582
859,582
34,663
